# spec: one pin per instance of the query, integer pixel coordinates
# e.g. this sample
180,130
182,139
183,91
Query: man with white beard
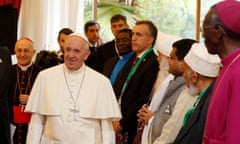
200,71
164,46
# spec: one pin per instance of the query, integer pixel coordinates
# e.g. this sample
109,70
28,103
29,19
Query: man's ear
34,51
194,76
88,52
221,31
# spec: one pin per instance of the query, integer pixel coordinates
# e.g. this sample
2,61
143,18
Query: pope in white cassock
71,103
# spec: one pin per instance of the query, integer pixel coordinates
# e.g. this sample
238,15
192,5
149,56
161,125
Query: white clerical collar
115,46
24,68
92,45
81,69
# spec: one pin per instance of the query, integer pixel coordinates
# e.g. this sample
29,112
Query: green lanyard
132,71
190,110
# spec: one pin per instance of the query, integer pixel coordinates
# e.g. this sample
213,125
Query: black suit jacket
109,65
105,52
192,132
5,101
137,92
92,58
122,76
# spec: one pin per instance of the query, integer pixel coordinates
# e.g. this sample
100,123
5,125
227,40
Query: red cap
26,38
228,12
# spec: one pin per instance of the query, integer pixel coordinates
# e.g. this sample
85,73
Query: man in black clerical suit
124,45
109,49
23,75
134,83
5,103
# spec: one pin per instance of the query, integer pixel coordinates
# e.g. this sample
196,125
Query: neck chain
75,110
18,82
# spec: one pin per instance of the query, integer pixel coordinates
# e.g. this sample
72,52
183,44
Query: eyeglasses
203,28
220,26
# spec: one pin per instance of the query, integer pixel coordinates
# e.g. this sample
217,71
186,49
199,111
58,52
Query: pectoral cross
75,111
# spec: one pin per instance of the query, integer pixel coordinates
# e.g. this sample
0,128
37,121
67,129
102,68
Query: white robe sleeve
108,134
35,129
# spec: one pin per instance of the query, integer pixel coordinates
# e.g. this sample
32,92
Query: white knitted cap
202,62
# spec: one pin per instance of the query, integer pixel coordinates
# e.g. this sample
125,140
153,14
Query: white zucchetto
80,35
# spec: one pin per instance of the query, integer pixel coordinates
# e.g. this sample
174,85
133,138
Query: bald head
24,51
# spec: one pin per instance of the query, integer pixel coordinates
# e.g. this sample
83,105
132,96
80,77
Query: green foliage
170,16
176,17
106,9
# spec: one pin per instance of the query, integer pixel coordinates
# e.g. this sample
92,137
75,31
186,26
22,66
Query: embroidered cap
202,62
228,12
164,43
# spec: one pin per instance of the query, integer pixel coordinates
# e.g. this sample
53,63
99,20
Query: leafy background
176,17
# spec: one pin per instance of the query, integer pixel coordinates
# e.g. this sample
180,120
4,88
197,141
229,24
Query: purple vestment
223,119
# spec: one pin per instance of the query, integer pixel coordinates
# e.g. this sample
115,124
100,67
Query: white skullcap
164,43
202,62
82,36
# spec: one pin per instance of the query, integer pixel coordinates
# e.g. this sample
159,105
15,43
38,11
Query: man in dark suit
91,30
62,34
5,101
200,71
136,79
109,49
124,45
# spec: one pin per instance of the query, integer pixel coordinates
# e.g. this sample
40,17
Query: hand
144,114
23,98
116,126
100,42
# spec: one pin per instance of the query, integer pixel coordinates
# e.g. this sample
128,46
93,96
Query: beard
164,66
192,90
162,73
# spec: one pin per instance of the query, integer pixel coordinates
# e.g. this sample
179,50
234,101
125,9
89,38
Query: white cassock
72,107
